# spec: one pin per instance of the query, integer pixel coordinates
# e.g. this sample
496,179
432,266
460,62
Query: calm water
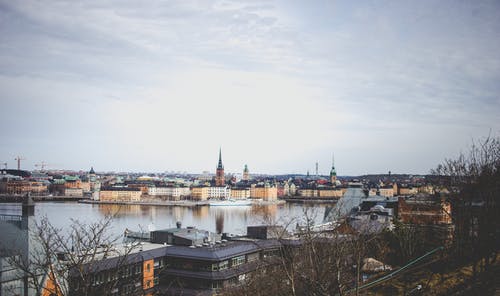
134,217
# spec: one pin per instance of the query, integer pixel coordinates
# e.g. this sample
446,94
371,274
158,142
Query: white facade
169,191
219,192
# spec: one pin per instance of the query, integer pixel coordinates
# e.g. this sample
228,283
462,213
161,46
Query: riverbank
310,200
181,203
21,198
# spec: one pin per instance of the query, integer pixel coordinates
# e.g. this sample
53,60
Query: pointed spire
220,166
332,171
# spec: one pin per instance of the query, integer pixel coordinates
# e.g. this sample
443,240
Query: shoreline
310,200
182,203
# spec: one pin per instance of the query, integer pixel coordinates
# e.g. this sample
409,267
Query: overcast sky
161,85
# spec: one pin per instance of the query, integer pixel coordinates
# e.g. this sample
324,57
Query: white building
219,192
169,191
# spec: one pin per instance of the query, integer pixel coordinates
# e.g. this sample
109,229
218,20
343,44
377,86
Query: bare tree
473,180
74,261
315,261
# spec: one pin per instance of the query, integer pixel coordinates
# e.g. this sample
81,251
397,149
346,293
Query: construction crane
18,159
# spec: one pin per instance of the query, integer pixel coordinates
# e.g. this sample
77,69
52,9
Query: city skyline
154,87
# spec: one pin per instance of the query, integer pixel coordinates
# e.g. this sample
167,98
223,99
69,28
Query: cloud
279,85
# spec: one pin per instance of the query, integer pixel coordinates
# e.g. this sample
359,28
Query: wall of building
120,195
240,193
265,193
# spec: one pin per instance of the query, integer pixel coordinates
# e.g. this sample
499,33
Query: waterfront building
75,192
265,192
219,192
219,173
143,186
72,182
14,186
85,185
199,192
175,192
240,192
330,192
120,194
307,192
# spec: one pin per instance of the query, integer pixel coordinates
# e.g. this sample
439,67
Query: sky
154,86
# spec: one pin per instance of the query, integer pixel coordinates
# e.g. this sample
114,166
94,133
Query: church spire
220,166
333,172
219,173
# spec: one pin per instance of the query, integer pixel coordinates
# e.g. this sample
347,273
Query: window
220,266
237,261
216,285
253,257
138,269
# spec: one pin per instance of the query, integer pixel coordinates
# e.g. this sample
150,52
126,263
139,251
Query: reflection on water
219,222
233,219
15,222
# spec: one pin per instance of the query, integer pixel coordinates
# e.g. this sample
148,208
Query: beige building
77,192
240,193
386,191
85,186
120,194
22,187
407,190
266,192
307,192
199,193
428,189
330,193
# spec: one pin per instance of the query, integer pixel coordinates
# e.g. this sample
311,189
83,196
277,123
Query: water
232,219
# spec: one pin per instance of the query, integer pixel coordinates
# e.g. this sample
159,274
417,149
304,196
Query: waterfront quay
180,203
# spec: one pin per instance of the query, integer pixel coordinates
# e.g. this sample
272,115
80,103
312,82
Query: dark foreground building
182,261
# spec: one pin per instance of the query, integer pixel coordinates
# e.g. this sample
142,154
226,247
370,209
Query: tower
333,173
219,173
246,176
